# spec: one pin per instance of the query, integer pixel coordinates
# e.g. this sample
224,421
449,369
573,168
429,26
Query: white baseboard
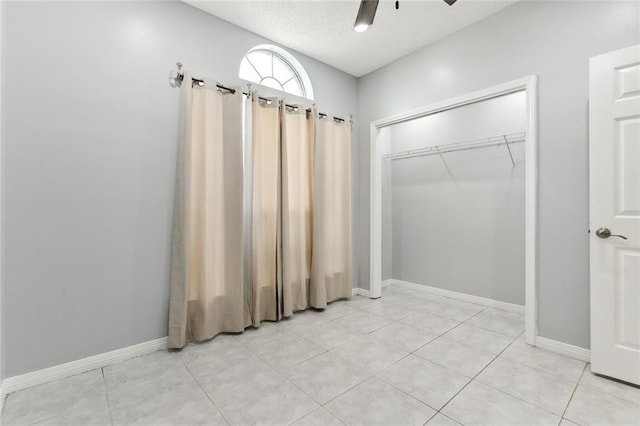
386,282
360,292
23,381
566,349
505,306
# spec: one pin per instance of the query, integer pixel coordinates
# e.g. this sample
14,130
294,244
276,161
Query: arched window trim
291,62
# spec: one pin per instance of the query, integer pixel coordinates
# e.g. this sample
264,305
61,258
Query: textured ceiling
323,29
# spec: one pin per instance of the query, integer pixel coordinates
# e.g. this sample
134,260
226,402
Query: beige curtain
297,198
266,209
207,294
262,220
331,269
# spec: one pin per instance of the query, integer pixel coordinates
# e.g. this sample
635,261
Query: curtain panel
297,208
331,265
207,292
265,209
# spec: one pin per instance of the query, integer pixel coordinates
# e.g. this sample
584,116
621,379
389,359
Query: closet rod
508,139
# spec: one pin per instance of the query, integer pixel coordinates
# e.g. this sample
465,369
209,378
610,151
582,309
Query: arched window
274,67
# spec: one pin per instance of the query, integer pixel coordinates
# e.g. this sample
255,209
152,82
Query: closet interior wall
456,221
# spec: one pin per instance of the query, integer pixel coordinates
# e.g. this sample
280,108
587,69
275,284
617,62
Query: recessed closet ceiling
324,29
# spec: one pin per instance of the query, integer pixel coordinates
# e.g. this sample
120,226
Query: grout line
443,415
317,409
572,393
500,390
106,396
430,418
415,350
477,374
204,391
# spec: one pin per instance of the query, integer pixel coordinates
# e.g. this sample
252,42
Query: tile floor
408,358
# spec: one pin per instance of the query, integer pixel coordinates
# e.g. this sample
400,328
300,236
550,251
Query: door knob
606,233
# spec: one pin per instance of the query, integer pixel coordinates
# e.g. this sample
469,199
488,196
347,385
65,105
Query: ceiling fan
367,13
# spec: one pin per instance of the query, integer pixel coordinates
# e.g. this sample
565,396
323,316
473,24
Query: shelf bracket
506,143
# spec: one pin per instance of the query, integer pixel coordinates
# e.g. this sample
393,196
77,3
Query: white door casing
614,163
528,84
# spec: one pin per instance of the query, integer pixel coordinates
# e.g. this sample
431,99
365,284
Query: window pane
272,82
262,61
247,72
281,71
293,87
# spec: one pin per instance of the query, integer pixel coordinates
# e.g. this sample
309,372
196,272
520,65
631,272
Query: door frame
527,84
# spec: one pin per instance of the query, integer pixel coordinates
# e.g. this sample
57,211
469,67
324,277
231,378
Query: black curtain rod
233,91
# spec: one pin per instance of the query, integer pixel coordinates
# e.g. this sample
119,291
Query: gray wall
459,227
553,40
91,133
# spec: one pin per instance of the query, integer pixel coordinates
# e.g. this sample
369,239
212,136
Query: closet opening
453,200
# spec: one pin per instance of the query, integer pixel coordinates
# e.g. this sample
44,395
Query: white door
614,162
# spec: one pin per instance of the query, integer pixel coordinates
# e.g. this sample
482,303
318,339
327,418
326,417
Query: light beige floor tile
79,416
377,403
326,376
329,336
267,331
222,345
339,309
138,378
403,336
363,322
228,376
287,351
430,383
478,404
534,386
76,396
371,353
320,417
305,320
389,310
546,361
362,302
416,300
499,322
251,392
273,404
517,316
434,324
589,406
442,420
456,310
485,340
455,356
159,389
164,404
609,386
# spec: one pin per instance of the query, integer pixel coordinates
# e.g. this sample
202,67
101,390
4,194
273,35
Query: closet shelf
507,139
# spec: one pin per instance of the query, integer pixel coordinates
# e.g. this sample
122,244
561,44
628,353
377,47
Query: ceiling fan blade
367,12
450,2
